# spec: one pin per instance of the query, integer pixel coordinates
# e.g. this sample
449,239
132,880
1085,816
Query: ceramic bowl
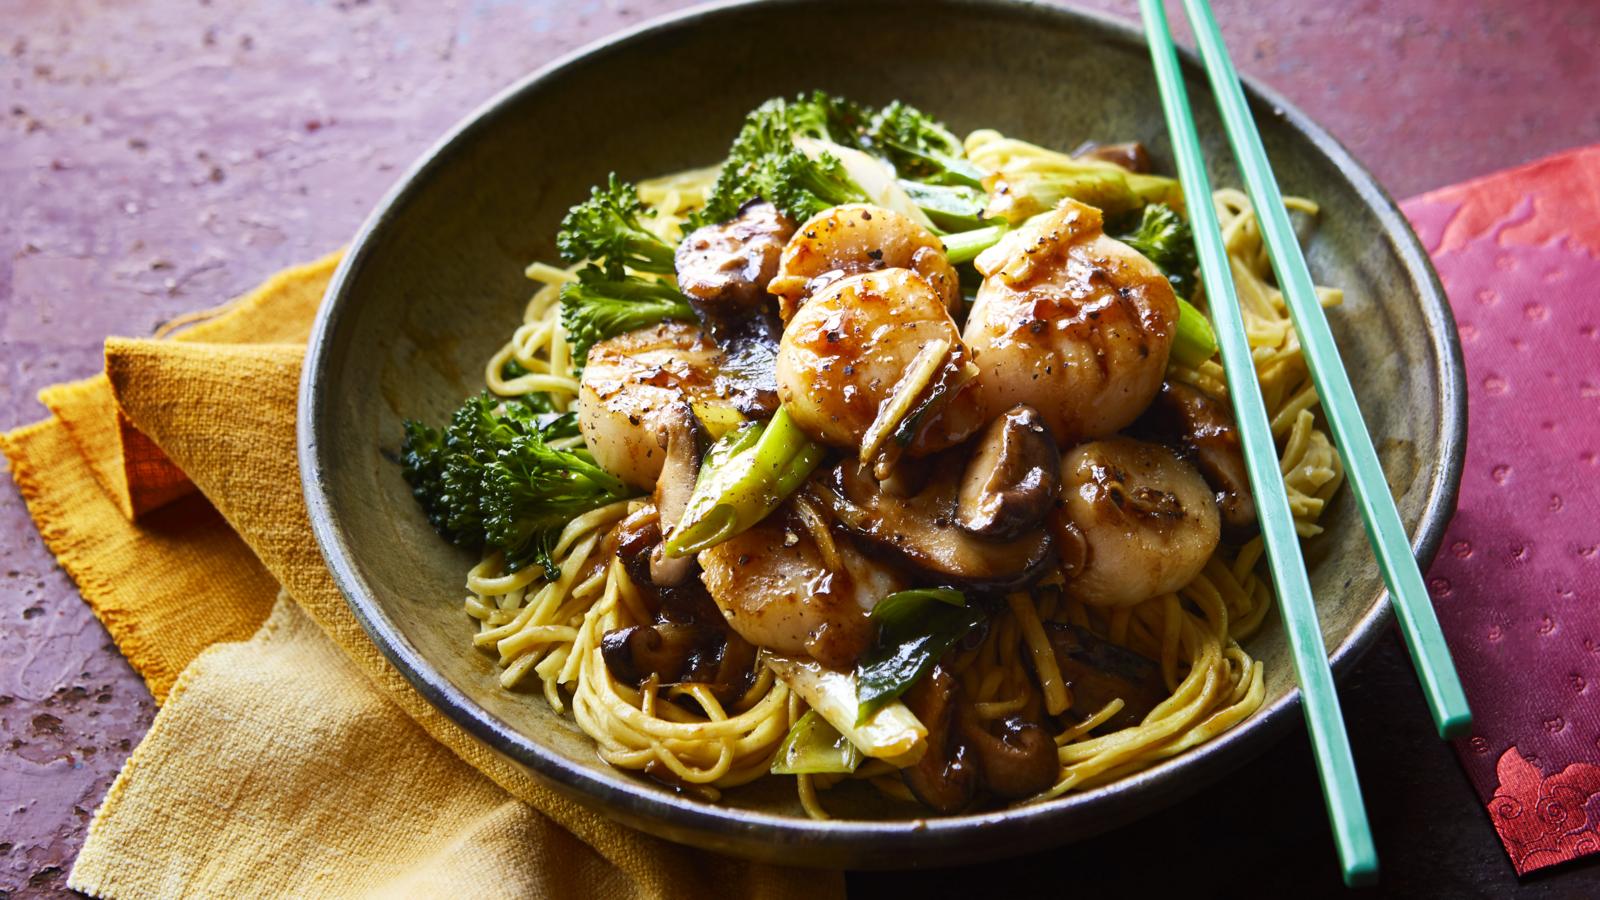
433,284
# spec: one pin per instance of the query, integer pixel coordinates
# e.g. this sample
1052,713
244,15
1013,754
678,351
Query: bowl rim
941,840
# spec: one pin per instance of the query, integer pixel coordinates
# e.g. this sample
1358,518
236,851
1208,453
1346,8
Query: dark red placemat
1517,581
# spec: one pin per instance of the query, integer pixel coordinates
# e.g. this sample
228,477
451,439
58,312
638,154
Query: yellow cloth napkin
288,756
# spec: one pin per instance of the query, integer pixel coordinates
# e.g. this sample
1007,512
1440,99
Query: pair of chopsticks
1330,743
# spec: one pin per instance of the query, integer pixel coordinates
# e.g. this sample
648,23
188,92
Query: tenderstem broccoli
806,186
920,147
607,228
490,478
604,303
764,162
1163,236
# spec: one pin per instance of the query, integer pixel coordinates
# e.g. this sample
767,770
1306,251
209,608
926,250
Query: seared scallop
633,385
872,352
1071,322
1147,517
780,589
844,240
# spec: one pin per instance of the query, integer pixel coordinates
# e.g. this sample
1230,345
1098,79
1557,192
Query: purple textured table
164,155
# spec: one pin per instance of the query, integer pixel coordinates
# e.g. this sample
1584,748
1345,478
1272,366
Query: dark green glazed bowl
433,284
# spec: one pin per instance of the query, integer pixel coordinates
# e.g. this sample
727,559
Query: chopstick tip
1362,873
1455,725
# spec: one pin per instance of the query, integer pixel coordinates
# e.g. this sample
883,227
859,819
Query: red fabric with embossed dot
1517,582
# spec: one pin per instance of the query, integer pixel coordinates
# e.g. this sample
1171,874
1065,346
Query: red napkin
1517,581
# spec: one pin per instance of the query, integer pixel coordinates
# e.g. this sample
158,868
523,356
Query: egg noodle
547,633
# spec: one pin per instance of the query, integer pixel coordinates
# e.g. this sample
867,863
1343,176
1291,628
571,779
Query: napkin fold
288,756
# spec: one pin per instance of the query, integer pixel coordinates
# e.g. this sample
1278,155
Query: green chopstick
1418,622
1330,742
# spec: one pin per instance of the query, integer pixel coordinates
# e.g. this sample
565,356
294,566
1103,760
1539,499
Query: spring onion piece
892,733
950,207
745,476
717,420
813,747
902,604
1025,179
918,373
964,246
907,431
915,628
1194,342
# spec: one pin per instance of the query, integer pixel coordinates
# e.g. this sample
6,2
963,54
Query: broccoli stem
1193,340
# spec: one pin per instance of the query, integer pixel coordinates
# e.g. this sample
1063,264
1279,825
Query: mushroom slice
1011,481
946,777
1131,155
1201,428
681,653
680,440
1099,671
725,268
922,527
1019,761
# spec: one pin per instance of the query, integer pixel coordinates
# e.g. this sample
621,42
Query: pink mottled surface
162,155
1517,584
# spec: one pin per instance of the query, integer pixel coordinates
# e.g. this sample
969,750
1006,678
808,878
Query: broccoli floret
920,147
823,115
606,228
1163,236
763,161
422,463
444,466
805,186
476,431
490,478
604,303
778,122
532,491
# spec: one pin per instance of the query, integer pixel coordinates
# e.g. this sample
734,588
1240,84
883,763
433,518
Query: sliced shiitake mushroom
1099,671
747,372
922,527
1011,480
688,641
639,536
1018,761
681,441
947,777
1131,155
725,268
681,653
1201,428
